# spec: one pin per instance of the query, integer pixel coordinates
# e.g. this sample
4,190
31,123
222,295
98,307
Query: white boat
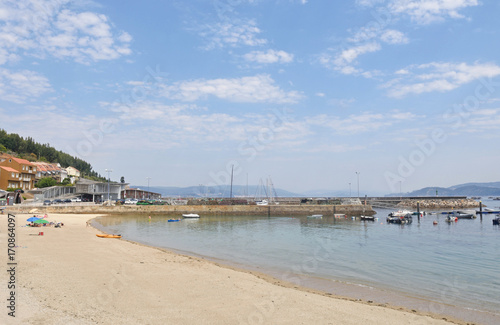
263,202
191,215
399,213
316,216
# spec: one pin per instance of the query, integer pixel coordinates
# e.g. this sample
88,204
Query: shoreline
71,276
365,293
346,287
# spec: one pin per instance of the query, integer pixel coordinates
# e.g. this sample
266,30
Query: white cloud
232,34
369,3
335,148
253,89
345,60
392,36
183,124
349,55
341,102
438,76
485,120
48,28
270,56
19,87
428,11
358,123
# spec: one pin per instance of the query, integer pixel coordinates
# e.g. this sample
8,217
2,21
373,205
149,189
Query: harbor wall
257,210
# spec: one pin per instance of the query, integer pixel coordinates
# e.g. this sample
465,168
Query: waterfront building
20,173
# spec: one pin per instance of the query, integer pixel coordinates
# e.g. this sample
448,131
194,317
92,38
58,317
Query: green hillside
30,150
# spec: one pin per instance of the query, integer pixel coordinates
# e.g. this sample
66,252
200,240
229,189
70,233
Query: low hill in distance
468,189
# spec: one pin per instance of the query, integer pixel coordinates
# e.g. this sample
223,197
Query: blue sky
405,92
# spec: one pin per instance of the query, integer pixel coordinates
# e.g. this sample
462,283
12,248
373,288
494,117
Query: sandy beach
70,276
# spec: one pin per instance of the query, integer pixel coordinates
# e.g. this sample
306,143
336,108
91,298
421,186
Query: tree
46,182
122,180
66,181
2,148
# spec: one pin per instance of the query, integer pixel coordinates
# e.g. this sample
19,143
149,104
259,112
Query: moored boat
406,219
173,220
263,202
399,213
315,216
463,215
191,215
367,218
496,221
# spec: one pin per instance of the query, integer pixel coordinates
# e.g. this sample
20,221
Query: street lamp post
148,178
108,171
357,173
350,192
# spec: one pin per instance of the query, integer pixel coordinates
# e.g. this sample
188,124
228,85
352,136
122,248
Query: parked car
67,201
76,199
131,201
46,202
57,201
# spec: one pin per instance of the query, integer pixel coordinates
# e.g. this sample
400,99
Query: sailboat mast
231,192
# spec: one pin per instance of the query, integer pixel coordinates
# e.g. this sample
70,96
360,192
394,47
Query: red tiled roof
43,166
22,161
9,169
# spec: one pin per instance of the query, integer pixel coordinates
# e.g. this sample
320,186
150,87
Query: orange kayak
108,236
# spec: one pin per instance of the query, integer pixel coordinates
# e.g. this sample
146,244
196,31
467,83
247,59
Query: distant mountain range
467,189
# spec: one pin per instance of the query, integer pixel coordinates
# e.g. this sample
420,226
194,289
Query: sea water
448,268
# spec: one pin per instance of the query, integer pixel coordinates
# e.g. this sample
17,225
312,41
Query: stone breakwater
204,210
440,204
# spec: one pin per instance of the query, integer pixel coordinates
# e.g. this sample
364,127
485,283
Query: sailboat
268,190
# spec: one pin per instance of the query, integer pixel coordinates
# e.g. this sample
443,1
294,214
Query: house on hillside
54,171
23,170
73,174
9,178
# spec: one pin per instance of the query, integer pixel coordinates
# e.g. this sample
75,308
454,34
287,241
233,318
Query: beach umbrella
32,219
40,221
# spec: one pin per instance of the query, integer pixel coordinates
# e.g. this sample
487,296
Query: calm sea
446,268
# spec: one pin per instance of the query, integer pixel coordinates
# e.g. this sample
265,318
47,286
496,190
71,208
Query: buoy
435,222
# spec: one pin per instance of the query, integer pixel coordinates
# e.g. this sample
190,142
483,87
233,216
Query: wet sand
70,276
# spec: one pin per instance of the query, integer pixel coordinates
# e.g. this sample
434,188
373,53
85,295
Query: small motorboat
262,202
496,221
315,216
451,218
191,215
367,218
461,215
407,219
399,213
173,220
108,236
